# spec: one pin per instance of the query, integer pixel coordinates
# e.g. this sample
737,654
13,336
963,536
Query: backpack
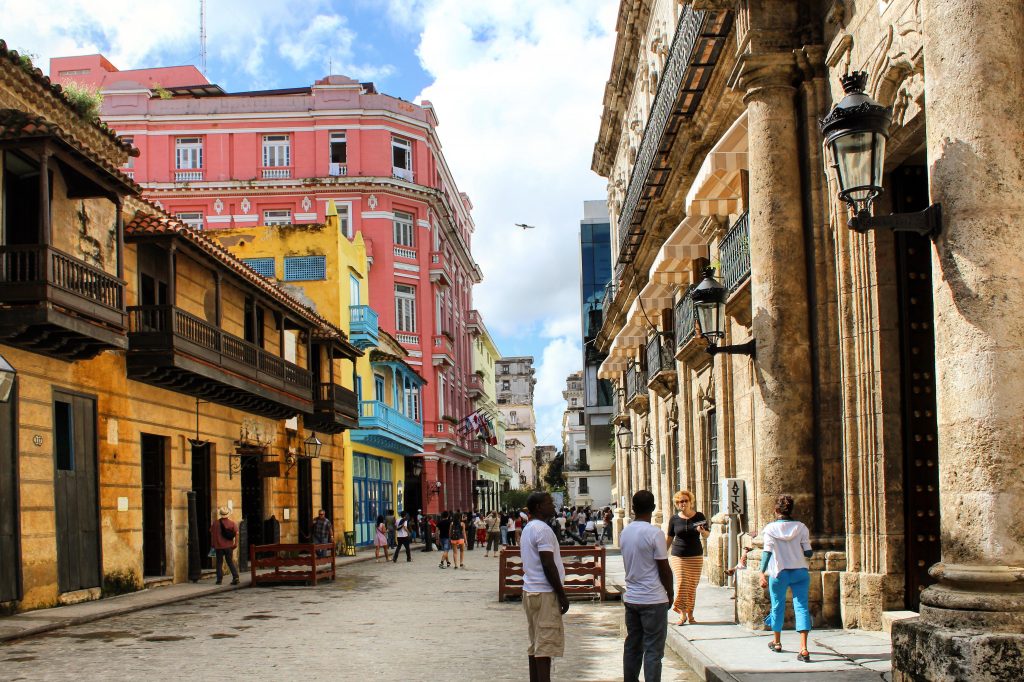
228,533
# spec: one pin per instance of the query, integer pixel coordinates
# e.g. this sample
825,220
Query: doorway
252,499
201,485
305,467
10,554
154,494
327,490
917,387
76,488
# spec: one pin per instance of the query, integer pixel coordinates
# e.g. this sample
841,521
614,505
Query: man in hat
224,539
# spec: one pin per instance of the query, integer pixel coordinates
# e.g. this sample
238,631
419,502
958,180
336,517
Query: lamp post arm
748,348
927,223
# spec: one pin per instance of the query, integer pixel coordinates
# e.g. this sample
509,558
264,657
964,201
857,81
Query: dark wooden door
76,483
327,489
204,502
252,499
305,468
10,554
917,366
154,495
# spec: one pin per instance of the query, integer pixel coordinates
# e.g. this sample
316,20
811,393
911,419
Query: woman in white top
787,544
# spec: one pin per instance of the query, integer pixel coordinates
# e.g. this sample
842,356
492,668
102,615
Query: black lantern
311,446
7,374
625,438
709,305
417,467
856,131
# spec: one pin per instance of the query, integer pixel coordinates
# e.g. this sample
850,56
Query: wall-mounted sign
733,496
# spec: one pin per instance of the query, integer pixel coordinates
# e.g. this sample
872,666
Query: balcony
474,386
363,331
439,269
337,170
620,415
661,365
443,351
735,254
335,409
404,252
58,305
275,173
685,323
384,427
403,174
636,388
578,466
173,349
474,323
193,175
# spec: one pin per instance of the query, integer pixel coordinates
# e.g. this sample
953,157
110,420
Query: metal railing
684,320
363,320
374,414
168,319
636,381
734,252
37,264
660,355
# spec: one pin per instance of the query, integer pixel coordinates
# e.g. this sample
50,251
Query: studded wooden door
917,364
10,554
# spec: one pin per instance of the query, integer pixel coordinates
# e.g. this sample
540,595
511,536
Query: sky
517,86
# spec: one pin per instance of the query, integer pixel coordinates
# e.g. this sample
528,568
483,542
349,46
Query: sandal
804,656
775,646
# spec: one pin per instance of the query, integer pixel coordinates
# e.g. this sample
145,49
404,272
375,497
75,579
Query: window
277,151
441,394
504,369
712,433
262,266
339,153
63,436
353,290
574,402
130,163
506,385
584,486
401,158
188,153
378,388
193,219
512,417
277,217
305,268
583,458
345,220
404,233
405,308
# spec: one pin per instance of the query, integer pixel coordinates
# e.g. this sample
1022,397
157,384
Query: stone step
890,617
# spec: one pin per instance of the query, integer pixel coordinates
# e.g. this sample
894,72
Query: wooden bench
294,563
584,571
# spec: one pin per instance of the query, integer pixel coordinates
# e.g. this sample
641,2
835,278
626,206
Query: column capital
764,71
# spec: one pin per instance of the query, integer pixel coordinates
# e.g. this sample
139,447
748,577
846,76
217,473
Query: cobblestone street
392,622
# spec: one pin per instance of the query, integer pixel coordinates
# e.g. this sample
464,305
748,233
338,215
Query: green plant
162,92
515,499
121,582
27,59
86,100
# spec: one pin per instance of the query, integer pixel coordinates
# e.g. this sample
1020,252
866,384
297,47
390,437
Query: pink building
219,159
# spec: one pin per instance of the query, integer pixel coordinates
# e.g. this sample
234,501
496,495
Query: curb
695,658
114,610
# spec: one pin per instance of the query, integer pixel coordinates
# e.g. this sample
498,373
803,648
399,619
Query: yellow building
494,469
328,271
155,374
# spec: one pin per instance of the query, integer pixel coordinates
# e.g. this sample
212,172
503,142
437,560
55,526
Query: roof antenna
202,35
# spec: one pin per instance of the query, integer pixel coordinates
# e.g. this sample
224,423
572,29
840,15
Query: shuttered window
305,268
405,308
262,266
404,234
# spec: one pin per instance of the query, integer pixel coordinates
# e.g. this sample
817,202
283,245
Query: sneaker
235,581
441,565
218,582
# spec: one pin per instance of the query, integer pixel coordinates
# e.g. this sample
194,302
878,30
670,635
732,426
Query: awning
686,243
717,189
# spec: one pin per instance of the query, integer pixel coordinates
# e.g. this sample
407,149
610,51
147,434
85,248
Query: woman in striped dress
685,530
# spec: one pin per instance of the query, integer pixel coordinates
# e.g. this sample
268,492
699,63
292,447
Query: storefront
373,493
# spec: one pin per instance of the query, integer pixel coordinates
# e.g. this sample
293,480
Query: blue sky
517,85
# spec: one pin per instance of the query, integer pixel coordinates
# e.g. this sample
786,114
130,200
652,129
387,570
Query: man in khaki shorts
544,597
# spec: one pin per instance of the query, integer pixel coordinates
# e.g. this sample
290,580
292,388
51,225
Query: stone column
972,622
783,434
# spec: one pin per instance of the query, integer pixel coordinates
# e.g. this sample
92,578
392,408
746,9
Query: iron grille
305,268
734,252
263,266
684,319
659,355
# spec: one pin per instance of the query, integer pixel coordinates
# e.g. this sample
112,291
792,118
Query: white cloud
562,356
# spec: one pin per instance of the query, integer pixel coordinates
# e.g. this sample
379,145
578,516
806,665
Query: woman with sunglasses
685,530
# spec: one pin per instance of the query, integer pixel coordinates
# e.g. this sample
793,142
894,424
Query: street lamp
709,304
311,446
7,374
625,438
856,131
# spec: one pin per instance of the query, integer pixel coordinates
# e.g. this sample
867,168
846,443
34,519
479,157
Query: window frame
276,220
404,225
401,143
405,308
274,145
193,222
332,139
192,151
315,264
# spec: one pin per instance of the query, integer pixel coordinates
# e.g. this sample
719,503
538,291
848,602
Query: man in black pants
402,537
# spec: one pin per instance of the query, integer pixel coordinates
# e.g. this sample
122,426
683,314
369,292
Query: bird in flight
525,226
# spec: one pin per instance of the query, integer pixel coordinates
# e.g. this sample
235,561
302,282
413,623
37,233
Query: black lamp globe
311,446
709,305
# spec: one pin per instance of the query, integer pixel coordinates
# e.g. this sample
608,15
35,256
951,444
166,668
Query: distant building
514,384
494,469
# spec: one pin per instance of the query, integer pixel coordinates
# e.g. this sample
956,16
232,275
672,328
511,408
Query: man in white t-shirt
649,592
544,598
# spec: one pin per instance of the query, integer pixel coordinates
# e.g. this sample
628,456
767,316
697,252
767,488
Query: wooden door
327,490
10,554
201,485
252,500
76,484
154,495
305,467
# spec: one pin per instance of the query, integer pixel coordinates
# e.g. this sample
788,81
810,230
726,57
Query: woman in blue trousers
787,544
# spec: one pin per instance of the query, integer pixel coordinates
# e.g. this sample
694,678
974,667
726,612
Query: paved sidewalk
29,623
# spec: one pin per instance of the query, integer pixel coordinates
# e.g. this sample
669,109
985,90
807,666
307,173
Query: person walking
389,519
503,528
493,529
323,532
648,592
480,526
787,545
458,538
380,540
403,537
606,532
224,539
581,524
444,539
685,530
544,598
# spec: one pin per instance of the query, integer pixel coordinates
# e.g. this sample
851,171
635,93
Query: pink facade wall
101,73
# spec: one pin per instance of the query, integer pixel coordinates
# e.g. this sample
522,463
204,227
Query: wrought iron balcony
384,427
661,365
335,409
684,319
176,350
363,330
58,305
636,388
734,252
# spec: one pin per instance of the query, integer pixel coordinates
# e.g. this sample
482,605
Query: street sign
733,496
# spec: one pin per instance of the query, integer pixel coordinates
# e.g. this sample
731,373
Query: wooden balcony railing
337,399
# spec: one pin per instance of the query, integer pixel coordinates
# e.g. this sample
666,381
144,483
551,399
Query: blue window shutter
262,266
305,268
